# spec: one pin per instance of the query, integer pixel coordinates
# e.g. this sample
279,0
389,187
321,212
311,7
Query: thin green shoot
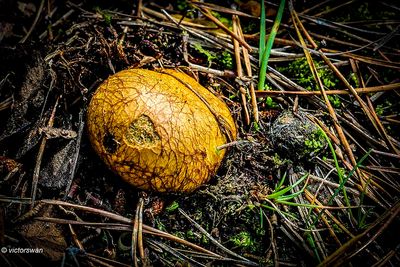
338,169
261,45
313,246
313,206
341,185
291,196
362,217
266,51
280,211
281,192
281,182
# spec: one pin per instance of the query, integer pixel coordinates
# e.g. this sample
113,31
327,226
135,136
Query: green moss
160,225
379,110
300,71
182,5
353,80
251,27
107,18
260,231
222,59
106,15
336,228
256,127
242,240
179,234
384,108
315,142
278,161
225,60
363,11
172,207
313,145
190,235
227,22
335,100
204,240
270,102
208,54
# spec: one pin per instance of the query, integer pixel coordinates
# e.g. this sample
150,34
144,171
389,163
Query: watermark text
20,250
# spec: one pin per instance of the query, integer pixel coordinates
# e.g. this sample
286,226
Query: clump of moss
315,143
182,5
300,71
242,240
105,14
221,59
225,60
295,136
172,207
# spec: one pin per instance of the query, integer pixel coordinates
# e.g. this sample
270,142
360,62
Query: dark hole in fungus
109,143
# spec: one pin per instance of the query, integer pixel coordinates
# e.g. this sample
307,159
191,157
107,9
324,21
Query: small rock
295,136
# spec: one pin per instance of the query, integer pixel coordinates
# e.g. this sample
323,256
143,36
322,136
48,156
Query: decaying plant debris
311,180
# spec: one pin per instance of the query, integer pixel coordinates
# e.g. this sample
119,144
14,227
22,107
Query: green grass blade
312,206
342,181
341,185
283,191
261,45
281,211
289,197
313,246
267,51
281,182
362,217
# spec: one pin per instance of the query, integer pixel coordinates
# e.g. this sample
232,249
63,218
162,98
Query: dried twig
247,63
239,69
365,90
40,9
36,171
215,242
208,14
347,250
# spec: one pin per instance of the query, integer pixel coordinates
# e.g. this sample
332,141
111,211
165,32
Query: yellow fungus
159,130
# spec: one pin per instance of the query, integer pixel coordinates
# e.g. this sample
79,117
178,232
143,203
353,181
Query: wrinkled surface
159,130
